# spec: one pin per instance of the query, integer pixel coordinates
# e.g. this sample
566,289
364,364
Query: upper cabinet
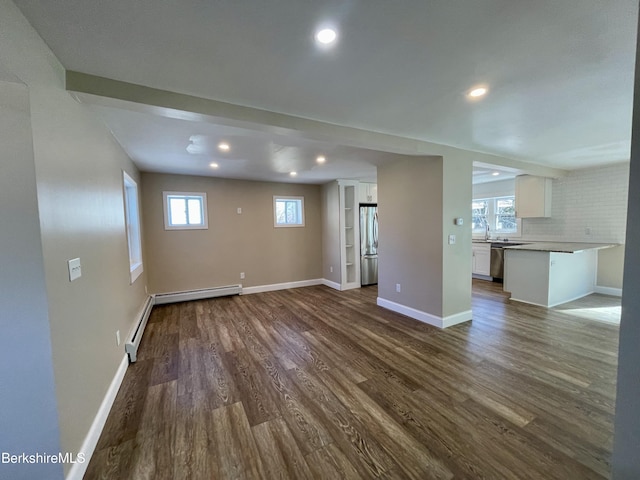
533,196
368,193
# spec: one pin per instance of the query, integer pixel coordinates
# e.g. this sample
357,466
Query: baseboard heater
174,297
131,346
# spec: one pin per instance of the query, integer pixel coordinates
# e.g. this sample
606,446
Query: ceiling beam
103,91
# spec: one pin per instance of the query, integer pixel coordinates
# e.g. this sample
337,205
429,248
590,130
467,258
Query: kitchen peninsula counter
551,273
561,247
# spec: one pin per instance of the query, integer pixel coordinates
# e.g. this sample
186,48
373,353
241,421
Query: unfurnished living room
323,240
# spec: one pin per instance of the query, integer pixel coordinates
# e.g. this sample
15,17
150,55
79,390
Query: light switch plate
75,269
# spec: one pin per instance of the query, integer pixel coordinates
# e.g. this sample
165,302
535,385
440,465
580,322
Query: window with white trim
185,211
498,213
132,219
288,211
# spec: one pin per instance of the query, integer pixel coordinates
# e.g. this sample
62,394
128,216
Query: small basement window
288,211
185,211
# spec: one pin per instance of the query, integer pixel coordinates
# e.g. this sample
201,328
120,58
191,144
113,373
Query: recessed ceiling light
478,92
293,174
326,36
495,174
321,159
223,146
213,165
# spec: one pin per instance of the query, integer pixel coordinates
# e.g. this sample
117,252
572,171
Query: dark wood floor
316,383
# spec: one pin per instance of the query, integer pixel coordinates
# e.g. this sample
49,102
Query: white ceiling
560,74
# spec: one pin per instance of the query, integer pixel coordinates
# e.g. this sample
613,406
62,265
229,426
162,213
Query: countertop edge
562,247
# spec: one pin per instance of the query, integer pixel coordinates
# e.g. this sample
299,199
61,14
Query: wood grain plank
237,453
329,463
281,457
318,383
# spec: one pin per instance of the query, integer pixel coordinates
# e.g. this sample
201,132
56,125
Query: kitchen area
551,241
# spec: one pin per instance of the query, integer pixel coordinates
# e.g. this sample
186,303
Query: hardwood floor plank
319,383
111,463
413,459
257,398
153,457
165,365
124,419
303,418
329,463
279,451
194,456
348,431
237,453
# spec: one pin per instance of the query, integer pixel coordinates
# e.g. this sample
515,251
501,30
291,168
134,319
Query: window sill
135,271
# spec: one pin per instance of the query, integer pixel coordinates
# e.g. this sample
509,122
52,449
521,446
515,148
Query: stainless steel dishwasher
497,262
496,268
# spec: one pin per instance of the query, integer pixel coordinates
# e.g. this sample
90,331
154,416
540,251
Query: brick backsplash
592,199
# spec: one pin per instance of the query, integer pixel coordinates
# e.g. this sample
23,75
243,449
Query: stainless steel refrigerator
368,244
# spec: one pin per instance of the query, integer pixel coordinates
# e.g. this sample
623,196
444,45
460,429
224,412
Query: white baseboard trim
554,304
481,277
616,292
456,318
331,284
424,317
78,470
281,286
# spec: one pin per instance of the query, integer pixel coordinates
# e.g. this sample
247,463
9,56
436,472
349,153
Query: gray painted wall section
28,413
626,445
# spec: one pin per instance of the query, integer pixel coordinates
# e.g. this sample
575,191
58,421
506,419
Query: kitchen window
288,211
185,211
132,220
498,213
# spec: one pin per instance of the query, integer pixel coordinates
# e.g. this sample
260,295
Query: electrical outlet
587,231
452,239
241,275
239,210
330,269
398,288
118,338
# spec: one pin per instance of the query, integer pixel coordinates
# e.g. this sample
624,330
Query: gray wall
78,169
456,201
180,260
28,414
410,233
331,232
626,444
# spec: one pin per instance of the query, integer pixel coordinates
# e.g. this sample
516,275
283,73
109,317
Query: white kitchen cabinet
533,196
481,259
368,193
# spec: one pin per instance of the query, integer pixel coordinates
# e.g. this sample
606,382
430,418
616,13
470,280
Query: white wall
500,188
594,198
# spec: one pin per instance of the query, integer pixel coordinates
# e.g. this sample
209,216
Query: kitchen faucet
487,234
